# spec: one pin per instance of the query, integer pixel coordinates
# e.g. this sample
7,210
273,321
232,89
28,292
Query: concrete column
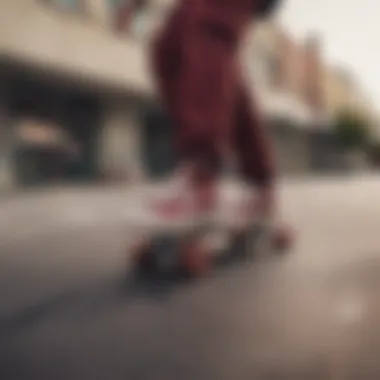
6,143
119,145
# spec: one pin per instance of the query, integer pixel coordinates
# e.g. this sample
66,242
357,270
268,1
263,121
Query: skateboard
192,250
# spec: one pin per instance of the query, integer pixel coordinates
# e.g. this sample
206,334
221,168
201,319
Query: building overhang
279,105
286,106
44,39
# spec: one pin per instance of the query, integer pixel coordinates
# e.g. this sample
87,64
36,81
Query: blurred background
82,135
75,87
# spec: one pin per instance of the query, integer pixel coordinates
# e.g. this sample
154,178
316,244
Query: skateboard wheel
240,244
142,258
195,260
282,239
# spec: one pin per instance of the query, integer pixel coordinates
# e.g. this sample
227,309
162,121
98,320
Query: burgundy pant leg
166,65
251,141
205,98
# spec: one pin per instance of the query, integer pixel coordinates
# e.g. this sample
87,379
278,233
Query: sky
350,31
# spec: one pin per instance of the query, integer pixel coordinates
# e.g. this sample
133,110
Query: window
121,11
142,24
267,65
126,12
113,4
68,5
274,70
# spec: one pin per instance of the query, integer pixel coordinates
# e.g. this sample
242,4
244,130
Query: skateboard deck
194,247
170,250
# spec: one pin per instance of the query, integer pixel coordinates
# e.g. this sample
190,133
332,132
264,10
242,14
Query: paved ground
70,310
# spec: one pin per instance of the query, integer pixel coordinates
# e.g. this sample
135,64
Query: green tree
351,130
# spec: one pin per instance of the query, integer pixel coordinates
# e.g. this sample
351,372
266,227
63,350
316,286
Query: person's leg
251,145
166,65
255,156
251,142
197,83
205,103
166,68
205,97
198,86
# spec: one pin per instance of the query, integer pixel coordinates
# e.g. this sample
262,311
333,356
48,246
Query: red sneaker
283,238
185,199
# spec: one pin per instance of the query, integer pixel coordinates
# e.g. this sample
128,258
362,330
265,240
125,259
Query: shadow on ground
122,290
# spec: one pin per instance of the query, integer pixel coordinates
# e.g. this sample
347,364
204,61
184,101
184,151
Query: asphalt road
69,308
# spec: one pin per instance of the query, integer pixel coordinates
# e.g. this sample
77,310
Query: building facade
287,75
77,99
72,65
